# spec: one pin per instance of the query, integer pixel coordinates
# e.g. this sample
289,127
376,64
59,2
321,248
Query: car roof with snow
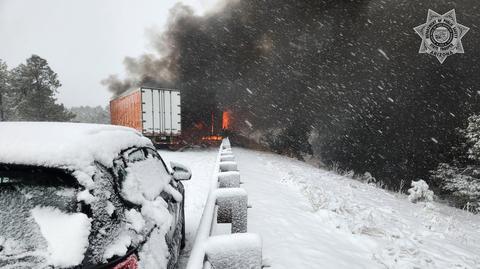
68,145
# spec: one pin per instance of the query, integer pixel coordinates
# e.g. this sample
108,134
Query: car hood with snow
62,202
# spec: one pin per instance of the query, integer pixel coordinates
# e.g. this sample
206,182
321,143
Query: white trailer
156,112
161,112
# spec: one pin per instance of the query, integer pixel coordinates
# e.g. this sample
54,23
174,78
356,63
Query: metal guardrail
226,203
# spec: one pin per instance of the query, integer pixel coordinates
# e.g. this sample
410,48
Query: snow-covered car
87,196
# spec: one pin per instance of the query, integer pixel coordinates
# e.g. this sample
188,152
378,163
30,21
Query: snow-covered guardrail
226,203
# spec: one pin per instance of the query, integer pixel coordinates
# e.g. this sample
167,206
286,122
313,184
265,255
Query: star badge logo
441,35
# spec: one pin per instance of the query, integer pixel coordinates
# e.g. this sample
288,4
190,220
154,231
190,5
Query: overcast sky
84,41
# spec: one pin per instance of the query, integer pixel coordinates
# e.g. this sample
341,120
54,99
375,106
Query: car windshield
22,189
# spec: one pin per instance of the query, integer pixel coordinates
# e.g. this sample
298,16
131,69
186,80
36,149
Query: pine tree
35,85
460,179
3,90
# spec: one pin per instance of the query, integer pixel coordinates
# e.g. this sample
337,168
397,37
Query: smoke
154,70
249,56
348,69
117,86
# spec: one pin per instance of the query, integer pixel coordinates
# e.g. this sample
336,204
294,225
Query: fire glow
226,120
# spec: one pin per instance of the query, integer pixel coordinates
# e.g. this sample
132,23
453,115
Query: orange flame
212,138
226,120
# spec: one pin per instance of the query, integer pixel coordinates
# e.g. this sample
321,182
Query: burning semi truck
155,112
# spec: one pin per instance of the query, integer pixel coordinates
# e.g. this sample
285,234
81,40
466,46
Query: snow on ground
201,164
312,218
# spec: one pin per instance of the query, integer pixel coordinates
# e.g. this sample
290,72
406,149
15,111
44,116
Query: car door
149,160
174,206
107,212
176,233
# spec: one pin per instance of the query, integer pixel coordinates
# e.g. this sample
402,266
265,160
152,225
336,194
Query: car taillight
130,263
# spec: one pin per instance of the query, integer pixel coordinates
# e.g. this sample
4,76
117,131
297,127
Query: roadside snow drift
312,218
66,235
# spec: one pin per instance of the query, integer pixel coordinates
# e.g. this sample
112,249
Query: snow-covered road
312,218
202,163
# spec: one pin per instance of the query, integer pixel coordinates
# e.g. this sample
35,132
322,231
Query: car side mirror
180,171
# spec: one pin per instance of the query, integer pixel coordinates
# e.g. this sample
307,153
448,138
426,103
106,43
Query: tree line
27,92
89,114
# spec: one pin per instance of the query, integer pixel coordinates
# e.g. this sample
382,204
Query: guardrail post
235,251
230,179
227,158
229,204
228,166
232,208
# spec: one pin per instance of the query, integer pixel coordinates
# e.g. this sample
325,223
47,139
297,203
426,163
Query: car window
34,176
144,180
37,186
22,190
153,153
135,155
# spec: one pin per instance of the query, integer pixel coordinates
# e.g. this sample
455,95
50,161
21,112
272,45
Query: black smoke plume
347,70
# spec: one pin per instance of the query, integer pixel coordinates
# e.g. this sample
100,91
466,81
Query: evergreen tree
460,178
35,85
3,90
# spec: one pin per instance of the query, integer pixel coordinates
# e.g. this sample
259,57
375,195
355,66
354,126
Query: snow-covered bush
335,167
349,174
420,192
368,178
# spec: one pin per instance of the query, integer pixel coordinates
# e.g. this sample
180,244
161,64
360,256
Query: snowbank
66,235
312,218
